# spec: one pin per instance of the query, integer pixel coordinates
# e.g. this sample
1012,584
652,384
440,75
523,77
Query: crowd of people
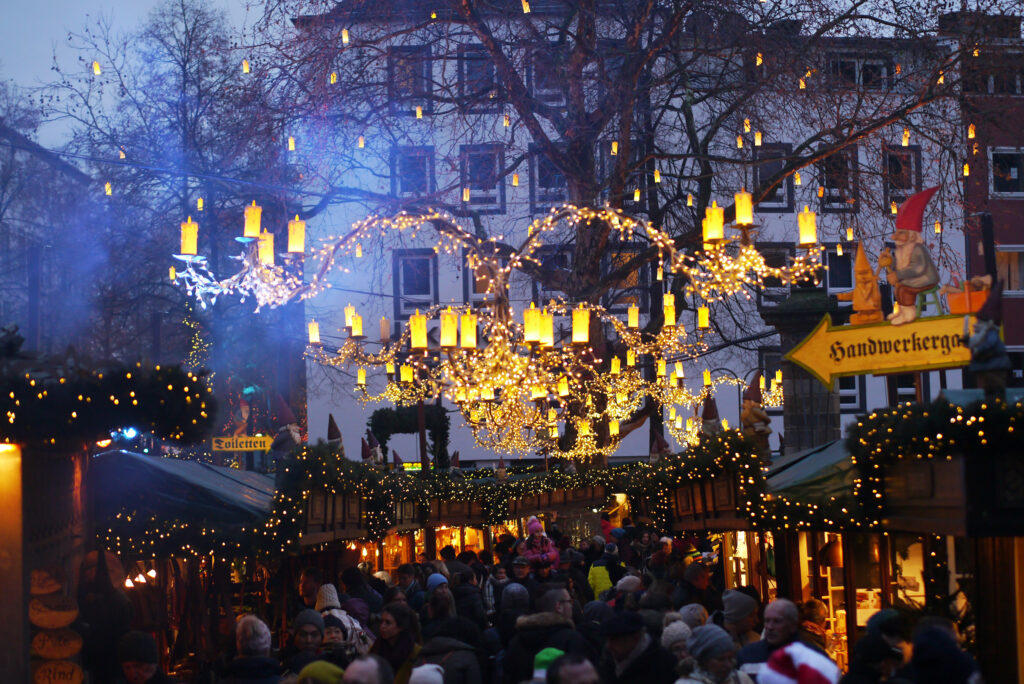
628,607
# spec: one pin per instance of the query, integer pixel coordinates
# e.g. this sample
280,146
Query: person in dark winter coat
140,660
413,591
469,602
873,661
605,572
631,656
253,664
521,575
550,628
357,588
453,647
695,587
781,628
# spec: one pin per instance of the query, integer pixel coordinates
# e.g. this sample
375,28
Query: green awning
814,475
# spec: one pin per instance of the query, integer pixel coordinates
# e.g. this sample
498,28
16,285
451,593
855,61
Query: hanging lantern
580,325
636,195
778,375
361,142
796,178
678,422
350,311
679,372
661,368
672,413
449,328
419,111
971,131
361,377
245,66
389,368
314,332
714,229
460,394
703,317
467,323
839,249
613,428
252,220
621,398
906,137
189,237
96,70
583,427
537,392
633,316
760,382
669,309
531,324
630,358
265,248
172,273
547,329
744,208
893,208
296,236
199,204
291,143
616,366
108,189
615,147
515,180
746,125
725,423
465,194
803,84
563,386
759,60
821,191
689,200
552,416
849,233
385,329
739,142
967,171
334,78
359,250
938,227
757,139
707,377
506,120
357,326
405,373
526,6
657,176
661,273
344,36
418,330
808,224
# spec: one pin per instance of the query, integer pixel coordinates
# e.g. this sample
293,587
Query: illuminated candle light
563,386
361,377
465,194
680,372
757,139
616,366
199,204
633,316
746,125
808,224
385,329
389,368
893,208
657,176
613,428
967,170
344,36
449,328
707,377
849,233
636,195
583,427
759,60
547,329
515,180
291,143
296,236
172,273
189,237
725,423
350,311
580,325
419,111
405,373
418,330
714,229
839,249
615,147
630,358
938,227
265,248
669,309
334,78
531,324
778,375
526,6
744,208
906,137
361,142
661,368
971,131
108,189
796,178
739,142
314,332
506,121
357,326
467,324
359,250
96,70
538,392
689,200
703,317
252,220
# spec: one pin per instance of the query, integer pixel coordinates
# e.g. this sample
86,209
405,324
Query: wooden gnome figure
865,295
914,270
710,423
989,360
500,471
333,433
755,421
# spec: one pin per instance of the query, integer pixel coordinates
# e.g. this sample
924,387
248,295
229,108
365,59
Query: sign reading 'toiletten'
926,344
260,443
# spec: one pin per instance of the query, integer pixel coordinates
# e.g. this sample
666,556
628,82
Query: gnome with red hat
913,271
755,420
710,423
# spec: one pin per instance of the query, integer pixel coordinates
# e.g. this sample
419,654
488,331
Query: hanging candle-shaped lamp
714,229
199,204
758,137
344,36
467,324
633,316
707,377
616,366
537,392
531,324
361,377
808,224
906,137
265,248
314,332
385,329
669,307
583,427
703,317
296,236
630,358
547,329
96,70
189,237
615,147
405,373
563,386
245,66
971,132
487,393
744,208
449,328
350,311
580,325
613,428
356,329
253,212
657,176
418,330
661,368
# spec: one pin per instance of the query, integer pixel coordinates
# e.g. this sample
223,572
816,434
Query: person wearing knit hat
739,617
914,270
326,598
139,657
631,654
673,638
800,664
427,674
543,659
694,615
435,580
252,662
308,631
539,549
713,649
629,584
322,672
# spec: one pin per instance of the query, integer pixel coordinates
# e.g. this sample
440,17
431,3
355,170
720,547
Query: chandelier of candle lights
525,389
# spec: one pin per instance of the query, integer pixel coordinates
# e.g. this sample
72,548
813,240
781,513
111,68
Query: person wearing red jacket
539,549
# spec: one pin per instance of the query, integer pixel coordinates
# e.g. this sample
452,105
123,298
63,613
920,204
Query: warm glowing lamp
714,228
707,377
350,311
583,427
361,377
778,375
357,326
468,329
314,332
633,316
563,386
744,208
265,248
296,236
189,237
613,428
547,329
580,325
616,366
385,329
703,317
661,368
405,373
449,328
418,330
253,212
630,358
669,307
537,392
531,324
808,223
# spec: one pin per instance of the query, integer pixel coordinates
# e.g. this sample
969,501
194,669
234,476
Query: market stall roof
814,474
966,397
178,488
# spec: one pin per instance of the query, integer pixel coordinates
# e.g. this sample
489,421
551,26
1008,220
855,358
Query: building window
410,78
1010,268
860,72
1007,164
554,259
993,73
633,289
477,83
415,281
547,75
840,270
773,290
771,160
412,171
480,170
901,169
838,177
548,186
851,392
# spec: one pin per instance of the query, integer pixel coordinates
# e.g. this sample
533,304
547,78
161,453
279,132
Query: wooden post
850,588
14,631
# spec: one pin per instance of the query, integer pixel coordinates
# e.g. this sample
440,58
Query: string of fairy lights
520,387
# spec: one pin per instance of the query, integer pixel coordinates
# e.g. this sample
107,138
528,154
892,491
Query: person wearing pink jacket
539,549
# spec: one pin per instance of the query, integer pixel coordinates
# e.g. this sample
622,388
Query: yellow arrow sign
258,443
926,344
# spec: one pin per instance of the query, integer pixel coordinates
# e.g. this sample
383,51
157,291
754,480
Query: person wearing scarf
400,640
